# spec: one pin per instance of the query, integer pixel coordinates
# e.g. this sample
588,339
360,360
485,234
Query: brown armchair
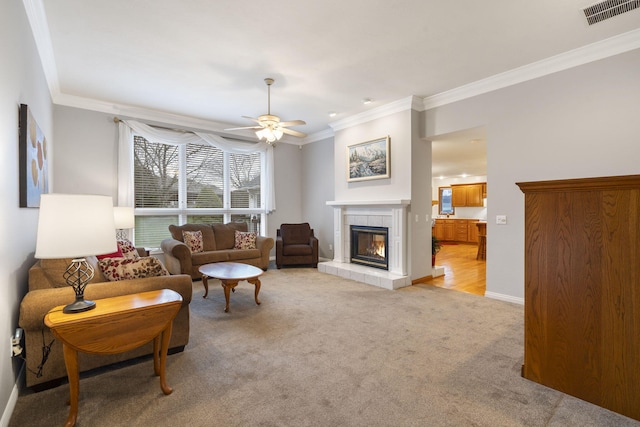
296,245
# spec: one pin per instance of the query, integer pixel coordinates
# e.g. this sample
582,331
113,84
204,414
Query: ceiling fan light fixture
269,135
270,127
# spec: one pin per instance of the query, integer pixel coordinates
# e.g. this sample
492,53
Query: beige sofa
48,289
218,246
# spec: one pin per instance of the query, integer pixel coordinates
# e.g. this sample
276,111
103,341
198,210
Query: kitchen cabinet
473,230
438,230
468,195
456,230
462,230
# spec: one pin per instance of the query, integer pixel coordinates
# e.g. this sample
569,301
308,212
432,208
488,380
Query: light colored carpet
326,351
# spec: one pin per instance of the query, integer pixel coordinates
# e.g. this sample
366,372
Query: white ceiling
208,59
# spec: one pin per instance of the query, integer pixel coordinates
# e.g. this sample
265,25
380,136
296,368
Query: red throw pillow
116,254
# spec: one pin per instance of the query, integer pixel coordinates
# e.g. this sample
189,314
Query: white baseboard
13,399
503,297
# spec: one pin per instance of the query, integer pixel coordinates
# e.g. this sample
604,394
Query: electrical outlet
501,219
15,341
330,247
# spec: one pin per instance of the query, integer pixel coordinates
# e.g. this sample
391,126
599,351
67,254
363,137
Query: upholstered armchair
296,245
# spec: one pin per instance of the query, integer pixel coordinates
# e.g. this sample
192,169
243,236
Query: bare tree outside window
160,183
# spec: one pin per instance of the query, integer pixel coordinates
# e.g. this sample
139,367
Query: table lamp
124,220
75,226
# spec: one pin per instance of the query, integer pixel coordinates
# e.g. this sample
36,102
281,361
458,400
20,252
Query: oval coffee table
230,273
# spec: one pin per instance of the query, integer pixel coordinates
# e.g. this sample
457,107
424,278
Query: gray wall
317,189
87,163
22,81
581,122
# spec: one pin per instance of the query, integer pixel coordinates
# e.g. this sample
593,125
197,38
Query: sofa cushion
297,250
245,240
125,268
208,239
53,270
295,234
202,258
193,239
225,234
240,255
128,250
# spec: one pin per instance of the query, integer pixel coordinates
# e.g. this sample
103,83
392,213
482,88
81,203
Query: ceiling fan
269,126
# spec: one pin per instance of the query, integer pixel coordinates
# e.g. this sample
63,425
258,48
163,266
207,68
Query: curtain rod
116,119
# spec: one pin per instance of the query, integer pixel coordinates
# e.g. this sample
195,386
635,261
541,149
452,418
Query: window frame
183,211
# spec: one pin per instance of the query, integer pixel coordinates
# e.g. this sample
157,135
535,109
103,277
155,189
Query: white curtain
125,155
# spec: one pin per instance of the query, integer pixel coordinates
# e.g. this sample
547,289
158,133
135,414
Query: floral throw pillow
245,240
115,269
193,239
128,250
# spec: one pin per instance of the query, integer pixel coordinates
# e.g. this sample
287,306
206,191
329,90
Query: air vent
608,9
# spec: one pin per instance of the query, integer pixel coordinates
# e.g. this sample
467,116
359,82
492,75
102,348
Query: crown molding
149,115
40,28
408,103
593,52
319,136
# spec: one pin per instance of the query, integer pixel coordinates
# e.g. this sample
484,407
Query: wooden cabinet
468,195
438,230
462,230
459,195
473,230
581,289
449,230
456,230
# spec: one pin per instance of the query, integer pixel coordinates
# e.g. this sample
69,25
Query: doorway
460,158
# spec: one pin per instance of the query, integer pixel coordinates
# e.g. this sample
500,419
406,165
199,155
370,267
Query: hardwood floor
462,272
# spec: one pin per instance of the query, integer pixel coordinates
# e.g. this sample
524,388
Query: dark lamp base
79,306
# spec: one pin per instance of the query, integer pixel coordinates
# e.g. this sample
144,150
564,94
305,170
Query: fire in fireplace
370,246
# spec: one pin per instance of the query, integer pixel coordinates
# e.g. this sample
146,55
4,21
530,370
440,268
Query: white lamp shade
75,225
124,217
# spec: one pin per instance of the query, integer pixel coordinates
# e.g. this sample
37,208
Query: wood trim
420,280
581,184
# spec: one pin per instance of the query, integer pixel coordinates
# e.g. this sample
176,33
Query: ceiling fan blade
251,118
293,132
293,123
245,127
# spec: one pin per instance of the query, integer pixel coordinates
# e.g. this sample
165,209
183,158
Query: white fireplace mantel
382,213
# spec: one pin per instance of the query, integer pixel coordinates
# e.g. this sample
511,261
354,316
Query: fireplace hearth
370,246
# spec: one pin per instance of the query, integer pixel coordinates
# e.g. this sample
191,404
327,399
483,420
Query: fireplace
370,246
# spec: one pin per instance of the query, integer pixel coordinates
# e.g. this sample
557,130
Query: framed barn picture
368,160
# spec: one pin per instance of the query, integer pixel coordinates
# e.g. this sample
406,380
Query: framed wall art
368,160
34,170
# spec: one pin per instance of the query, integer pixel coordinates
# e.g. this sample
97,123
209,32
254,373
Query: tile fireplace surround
381,213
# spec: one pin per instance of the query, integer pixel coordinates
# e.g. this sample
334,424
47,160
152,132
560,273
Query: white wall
410,161
581,122
398,186
419,224
22,81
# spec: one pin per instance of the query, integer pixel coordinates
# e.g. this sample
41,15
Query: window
193,183
446,203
